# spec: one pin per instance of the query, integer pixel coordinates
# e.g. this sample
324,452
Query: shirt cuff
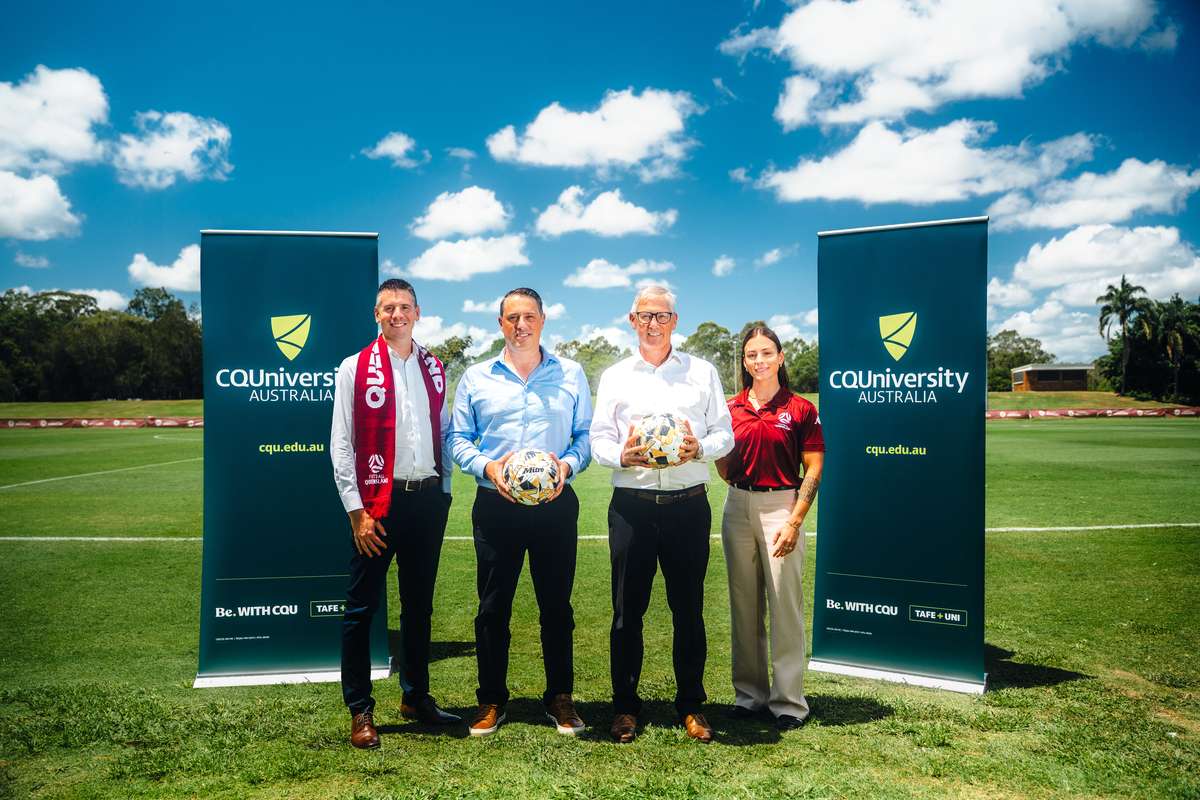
572,461
351,500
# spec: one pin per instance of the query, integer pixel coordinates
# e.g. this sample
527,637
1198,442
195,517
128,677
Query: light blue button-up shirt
495,412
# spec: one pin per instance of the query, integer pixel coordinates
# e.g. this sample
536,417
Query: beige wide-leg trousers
760,583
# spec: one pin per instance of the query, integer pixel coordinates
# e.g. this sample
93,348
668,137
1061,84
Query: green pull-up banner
281,311
899,573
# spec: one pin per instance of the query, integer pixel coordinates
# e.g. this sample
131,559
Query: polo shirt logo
784,421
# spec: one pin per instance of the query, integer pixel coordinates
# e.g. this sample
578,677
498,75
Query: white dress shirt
414,438
683,385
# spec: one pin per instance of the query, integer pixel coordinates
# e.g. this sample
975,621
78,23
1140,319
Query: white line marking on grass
102,472
175,437
591,538
1100,527
101,538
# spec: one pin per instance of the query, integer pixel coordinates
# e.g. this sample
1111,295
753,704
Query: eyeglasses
663,317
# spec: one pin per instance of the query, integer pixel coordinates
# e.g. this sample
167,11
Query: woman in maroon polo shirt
775,433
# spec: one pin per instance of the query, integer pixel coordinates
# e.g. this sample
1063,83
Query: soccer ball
531,476
661,435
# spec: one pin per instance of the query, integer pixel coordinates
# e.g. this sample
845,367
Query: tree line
63,346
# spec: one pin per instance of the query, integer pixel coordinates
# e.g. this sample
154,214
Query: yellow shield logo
897,331
291,332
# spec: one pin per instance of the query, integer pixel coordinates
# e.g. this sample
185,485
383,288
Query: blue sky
700,139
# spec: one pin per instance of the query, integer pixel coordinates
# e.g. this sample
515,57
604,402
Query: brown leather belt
418,485
665,498
746,487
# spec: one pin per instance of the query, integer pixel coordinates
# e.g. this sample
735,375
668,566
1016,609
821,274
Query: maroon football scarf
375,421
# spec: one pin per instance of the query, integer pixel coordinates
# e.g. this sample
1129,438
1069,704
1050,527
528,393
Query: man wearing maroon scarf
387,441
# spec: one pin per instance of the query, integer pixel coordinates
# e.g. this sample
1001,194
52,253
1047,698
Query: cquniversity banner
281,310
899,582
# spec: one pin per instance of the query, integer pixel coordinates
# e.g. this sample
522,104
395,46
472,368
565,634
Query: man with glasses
524,397
659,517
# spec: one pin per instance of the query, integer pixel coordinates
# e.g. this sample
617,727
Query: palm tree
1119,304
1176,326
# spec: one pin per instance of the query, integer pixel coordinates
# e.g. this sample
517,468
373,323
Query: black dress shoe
786,722
426,711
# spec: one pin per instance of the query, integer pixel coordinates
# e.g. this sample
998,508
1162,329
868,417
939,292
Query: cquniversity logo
897,331
291,333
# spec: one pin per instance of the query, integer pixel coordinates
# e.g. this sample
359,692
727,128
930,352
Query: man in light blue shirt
525,397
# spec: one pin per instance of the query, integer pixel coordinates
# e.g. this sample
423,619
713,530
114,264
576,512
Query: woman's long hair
747,379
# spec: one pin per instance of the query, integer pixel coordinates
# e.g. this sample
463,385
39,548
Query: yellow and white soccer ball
532,476
661,435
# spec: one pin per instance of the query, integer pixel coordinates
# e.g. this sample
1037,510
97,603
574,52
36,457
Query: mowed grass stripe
101,472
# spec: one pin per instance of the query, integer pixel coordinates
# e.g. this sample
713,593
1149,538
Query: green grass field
1093,651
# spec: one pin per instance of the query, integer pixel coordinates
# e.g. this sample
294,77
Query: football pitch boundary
587,538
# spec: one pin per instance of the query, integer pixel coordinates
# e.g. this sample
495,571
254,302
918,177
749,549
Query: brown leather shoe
624,728
698,728
487,719
362,731
561,709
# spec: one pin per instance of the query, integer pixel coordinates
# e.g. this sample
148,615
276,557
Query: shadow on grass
1004,673
832,711
438,651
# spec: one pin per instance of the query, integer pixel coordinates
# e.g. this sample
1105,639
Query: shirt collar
674,355
547,358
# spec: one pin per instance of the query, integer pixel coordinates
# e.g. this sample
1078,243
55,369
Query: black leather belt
418,485
665,498
746,487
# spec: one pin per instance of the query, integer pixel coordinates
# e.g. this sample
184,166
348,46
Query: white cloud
107,299
878,59
461,153
1133,187
481,306
620,335
169,146
774,256
802,325
626,131
723,90
601,274
1081,263
1072,336
34,208
470,212
432,330
608,214
739,175
46,120
183,275
1007,295
31,262
462,259
555,311
723,266
925,166
400,149
792,109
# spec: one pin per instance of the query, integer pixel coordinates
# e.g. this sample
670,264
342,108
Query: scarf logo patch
375,394
375,462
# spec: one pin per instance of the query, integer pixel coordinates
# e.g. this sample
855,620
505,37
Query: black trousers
415,525
641,536
504,533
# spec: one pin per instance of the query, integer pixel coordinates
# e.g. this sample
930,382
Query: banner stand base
266,679
966,687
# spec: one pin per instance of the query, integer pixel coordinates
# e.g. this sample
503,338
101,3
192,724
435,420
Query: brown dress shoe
561,709
624,728
362,731
698,728
487,719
